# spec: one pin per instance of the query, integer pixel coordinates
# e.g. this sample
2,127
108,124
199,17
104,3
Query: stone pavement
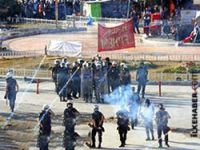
177,100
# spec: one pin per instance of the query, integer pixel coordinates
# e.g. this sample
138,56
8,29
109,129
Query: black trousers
94,132
122,133
140,86
164,130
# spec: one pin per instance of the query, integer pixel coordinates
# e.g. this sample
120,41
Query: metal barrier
151,76
99,19
62,23
17,54
115,56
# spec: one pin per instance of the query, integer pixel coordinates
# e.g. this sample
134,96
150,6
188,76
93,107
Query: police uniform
98,119
125,77
69,122
55,71
76,81
122,122
162,117
86,83
45,128
99,84
61,83
114,77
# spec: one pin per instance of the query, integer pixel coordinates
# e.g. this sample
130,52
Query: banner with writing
116,38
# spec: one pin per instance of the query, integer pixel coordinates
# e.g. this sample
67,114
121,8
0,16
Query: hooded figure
11,89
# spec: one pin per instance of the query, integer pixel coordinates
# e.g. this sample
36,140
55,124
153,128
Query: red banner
116,38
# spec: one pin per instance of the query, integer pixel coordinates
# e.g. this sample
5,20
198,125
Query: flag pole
129,1
56,12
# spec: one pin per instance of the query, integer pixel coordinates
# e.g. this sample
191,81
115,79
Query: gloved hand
5,97
48,139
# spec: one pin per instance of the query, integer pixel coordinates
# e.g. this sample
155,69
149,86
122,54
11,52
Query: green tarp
96,10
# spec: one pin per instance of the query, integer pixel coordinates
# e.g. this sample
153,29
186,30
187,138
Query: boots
160,145
122,144
99,145
93,145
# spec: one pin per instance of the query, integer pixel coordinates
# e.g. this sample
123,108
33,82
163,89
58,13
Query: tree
9,8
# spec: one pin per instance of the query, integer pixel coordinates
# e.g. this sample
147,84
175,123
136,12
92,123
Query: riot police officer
44,127
99,80
62,79
122,122
125,76
55,71
70,115
76,80
86,82
162,117
97,126
114,76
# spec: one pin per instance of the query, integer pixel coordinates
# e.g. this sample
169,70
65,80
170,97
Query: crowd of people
46,8
99,77
88,79
97,121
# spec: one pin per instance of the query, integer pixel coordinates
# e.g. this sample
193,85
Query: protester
141,78
147,114
136,17
194,36
134,107
11,89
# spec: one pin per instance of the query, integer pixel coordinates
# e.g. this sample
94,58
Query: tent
64,48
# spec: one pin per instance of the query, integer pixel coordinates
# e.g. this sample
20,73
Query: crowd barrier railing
115,56
46,74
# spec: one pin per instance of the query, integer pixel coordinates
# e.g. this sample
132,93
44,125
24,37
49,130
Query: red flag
116,38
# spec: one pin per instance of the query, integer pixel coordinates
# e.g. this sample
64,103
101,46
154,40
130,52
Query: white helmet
64,60
122,64
114,63
56,62
69,102
9,75
125,66
67,64
85,64
96,107
45,107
